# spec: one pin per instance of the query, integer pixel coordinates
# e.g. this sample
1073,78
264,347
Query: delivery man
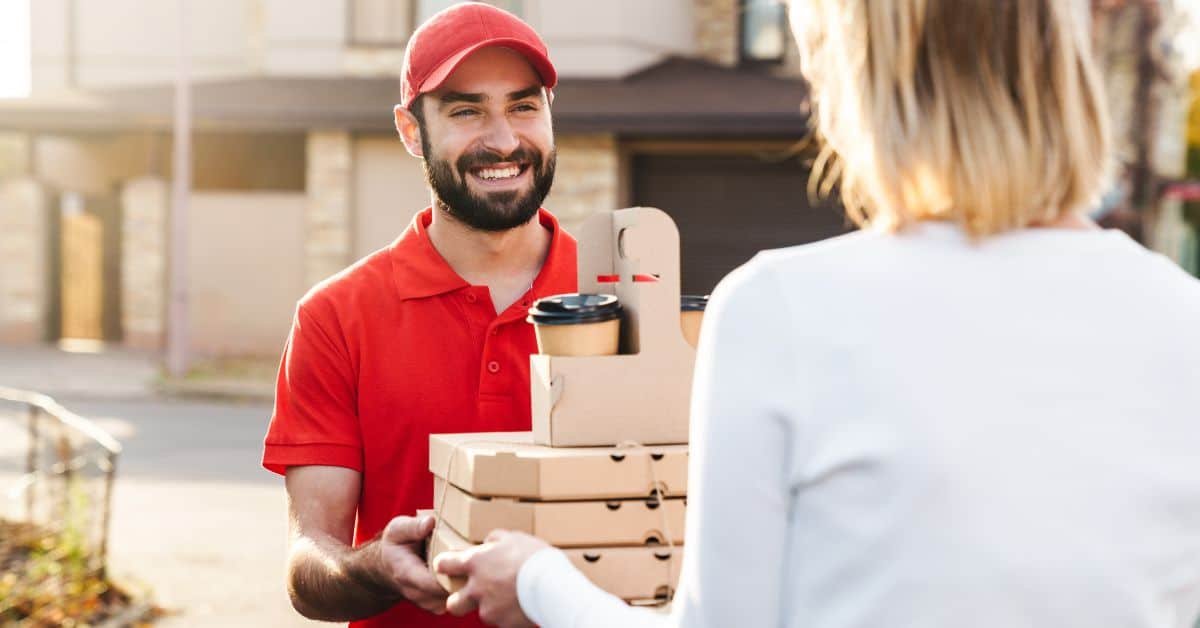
427,335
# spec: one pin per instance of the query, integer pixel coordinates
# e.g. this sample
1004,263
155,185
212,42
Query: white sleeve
554,594
738,492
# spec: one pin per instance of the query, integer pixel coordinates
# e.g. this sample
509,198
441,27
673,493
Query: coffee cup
691,315
577,324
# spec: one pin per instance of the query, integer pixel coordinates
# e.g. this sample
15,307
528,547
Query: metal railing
59,490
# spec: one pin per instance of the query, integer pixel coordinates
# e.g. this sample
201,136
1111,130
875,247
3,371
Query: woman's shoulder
774,271
837,247
817,258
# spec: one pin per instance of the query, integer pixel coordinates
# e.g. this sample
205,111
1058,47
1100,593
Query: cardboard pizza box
643,394
508,464
563,523
641,573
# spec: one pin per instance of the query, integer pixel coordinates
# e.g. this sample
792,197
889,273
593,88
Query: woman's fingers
454,563
462,602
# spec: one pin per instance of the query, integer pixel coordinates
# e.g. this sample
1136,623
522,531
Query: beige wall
389,189
302,37
246,266
122,42
612,38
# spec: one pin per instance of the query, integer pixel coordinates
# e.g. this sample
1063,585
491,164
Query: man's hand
492,570
331,580
403,566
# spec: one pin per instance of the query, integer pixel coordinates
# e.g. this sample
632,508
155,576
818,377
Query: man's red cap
440,44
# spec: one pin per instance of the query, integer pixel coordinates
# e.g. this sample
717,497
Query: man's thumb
402,530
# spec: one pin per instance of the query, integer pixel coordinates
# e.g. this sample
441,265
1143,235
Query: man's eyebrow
450,97
532,90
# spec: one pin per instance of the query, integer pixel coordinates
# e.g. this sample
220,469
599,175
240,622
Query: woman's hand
491,570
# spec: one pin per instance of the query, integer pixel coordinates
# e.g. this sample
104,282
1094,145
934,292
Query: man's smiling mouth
499,173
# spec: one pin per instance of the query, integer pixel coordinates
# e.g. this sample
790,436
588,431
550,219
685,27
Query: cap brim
541,64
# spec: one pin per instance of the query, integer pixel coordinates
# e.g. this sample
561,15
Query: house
693,106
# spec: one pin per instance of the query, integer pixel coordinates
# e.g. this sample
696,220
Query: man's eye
463,113
525,107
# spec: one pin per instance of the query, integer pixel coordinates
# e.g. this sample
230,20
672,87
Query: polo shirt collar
419,271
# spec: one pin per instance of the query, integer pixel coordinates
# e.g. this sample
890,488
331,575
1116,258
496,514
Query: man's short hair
417,109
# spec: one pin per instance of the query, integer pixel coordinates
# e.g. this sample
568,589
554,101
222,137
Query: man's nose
500,136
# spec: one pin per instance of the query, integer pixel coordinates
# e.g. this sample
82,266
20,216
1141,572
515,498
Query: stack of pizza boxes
603,474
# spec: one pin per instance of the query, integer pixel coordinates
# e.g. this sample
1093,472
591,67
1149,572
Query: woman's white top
919,430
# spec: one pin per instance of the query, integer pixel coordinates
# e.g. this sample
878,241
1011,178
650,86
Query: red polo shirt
391,350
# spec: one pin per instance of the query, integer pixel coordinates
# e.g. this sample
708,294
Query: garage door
728,207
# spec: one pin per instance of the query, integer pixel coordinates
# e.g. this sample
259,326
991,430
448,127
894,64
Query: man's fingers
418,576
402,530
431,603
461,602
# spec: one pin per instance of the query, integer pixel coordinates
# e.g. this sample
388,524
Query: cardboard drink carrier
634,574
564,524
640,395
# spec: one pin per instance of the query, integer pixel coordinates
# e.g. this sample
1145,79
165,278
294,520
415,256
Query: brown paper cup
577,324
690,321
579,339
691,315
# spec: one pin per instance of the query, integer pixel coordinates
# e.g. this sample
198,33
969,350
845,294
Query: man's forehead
491,70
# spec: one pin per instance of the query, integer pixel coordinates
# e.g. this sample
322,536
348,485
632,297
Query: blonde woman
980,410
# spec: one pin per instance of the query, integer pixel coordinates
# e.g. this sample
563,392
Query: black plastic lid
575,308
693,303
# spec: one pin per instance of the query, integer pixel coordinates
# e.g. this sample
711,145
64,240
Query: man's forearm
329,581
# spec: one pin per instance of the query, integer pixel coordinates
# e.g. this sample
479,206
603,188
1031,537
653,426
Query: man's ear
409,130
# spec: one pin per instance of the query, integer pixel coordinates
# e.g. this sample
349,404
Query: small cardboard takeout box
563,523
509,464
634,574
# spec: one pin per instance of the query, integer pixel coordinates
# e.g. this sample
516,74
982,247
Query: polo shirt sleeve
315,421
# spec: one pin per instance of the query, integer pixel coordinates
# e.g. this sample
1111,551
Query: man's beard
497,211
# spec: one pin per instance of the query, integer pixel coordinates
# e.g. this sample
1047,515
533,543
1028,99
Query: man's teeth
499,173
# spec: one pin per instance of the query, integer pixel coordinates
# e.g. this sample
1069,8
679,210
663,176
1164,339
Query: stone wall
328,234
145,204
716,27
23,261
586,179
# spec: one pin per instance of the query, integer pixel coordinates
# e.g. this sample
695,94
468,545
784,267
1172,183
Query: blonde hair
986,112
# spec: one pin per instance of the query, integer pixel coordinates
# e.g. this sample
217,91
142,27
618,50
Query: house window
380,22
764,30
426,8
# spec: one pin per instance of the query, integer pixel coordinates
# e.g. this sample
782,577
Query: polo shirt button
470,298
493,367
